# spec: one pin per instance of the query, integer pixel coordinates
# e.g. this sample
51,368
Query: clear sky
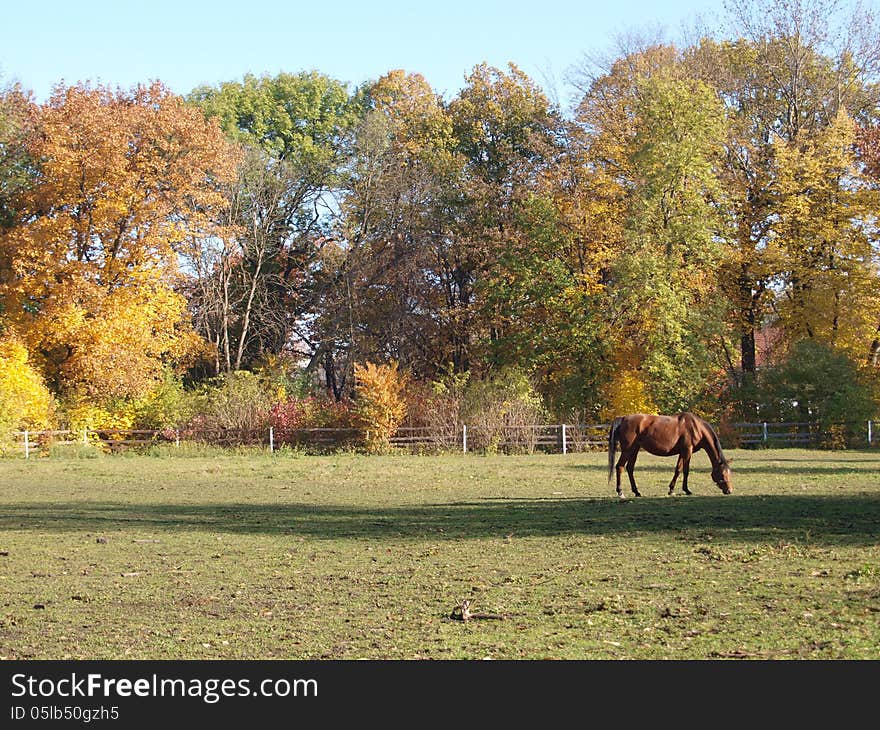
187,43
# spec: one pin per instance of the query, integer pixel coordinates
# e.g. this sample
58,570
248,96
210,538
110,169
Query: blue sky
185,44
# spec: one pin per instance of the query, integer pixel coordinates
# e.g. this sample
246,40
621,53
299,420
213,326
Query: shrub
239,401
284,379
81,414
166,406
436,408
295,416
25,402
105,420
502,409
379,406
815,383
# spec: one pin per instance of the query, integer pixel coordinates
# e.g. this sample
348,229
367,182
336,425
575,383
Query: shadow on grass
850,520
791,466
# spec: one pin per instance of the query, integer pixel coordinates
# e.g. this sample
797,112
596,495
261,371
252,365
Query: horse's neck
710,444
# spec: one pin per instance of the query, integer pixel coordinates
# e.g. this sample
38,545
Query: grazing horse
679,435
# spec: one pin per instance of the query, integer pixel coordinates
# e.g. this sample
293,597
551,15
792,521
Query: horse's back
657,434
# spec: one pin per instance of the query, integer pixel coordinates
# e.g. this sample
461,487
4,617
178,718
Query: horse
679,435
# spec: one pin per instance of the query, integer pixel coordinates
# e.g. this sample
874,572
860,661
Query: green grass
252,556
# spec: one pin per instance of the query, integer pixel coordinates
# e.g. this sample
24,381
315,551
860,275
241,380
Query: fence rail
550,438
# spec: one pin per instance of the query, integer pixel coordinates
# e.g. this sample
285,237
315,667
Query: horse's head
721,476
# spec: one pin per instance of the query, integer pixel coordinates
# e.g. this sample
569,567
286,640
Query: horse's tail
612,445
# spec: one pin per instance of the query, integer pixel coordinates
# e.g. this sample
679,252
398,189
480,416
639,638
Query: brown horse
679,435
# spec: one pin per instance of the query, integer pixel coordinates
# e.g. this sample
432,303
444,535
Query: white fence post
271,439
177,438
765,430
564,441
85,437
27,450
464,438
870,434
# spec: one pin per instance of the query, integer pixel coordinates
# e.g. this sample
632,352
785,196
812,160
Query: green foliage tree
254,287
16,165
669,273
816,383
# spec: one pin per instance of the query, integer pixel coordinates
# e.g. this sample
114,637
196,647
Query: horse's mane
722,458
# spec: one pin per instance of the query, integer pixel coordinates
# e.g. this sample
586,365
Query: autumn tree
16,167
243,282
868,148
785,76
123,179
868,152
253,288
506,130
390,280
825,225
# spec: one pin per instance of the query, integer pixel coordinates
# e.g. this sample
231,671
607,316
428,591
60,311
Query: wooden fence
553,438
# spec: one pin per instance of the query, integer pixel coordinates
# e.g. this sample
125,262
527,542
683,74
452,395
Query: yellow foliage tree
25,402
825,233
90,265
626,394
380,406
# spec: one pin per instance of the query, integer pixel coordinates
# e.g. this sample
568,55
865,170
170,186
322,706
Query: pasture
254,556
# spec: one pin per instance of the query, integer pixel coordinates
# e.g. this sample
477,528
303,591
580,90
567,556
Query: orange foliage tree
90,266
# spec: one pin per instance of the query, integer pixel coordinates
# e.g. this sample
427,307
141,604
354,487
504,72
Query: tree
816,383
653,140
667,277
868,148
391,285
254,289
789,70
16,167
868,151
824,227
508,133
124,177
244,287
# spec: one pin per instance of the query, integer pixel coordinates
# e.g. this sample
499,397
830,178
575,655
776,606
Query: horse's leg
630,468
678,467
687,468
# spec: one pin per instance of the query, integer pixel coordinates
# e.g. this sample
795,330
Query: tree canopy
633,250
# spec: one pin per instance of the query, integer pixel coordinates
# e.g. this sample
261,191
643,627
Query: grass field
253,556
